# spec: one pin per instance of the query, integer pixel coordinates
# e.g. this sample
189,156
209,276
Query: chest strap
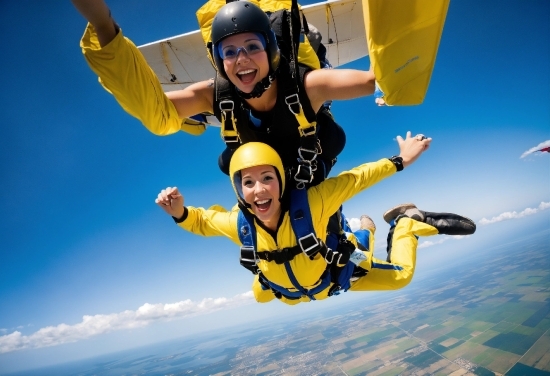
249,257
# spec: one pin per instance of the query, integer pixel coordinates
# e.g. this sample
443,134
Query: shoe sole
454,224
396,210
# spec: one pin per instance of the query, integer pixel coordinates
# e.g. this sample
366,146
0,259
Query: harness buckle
303,176
310,131
331,253
232,139
309,249
314,153
248,255
227,106
335,290
293,100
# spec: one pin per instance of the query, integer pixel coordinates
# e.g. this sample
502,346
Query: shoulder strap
300,219
247,236
309,112
307,125
226,101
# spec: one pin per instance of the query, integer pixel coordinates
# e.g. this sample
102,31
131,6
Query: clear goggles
251,47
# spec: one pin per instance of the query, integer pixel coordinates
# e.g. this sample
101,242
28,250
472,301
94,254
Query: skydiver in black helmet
245,52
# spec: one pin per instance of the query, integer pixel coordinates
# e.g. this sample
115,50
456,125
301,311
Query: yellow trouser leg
398,273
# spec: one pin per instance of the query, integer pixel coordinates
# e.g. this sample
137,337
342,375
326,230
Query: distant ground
490,316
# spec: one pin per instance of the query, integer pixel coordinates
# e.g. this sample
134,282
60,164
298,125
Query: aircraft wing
182,60
342,26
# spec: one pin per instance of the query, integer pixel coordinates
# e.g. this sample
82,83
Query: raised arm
410,148
334,191
337,84
124,72
194,99
98,14
215,221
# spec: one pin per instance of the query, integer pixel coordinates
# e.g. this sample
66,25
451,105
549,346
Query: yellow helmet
254,154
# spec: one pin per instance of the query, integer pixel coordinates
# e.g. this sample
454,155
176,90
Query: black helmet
240,17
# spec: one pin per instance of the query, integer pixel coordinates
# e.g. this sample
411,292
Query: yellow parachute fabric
403,37
206,14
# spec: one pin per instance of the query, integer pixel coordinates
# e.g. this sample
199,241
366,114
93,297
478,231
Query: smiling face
261,190
247,69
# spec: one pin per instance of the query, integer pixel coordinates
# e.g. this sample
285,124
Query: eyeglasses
251,47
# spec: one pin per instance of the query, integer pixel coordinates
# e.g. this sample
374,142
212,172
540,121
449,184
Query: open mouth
246,76
262,205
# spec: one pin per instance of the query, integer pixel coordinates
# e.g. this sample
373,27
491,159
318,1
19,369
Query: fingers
166,195
380,102
400,139
171,201
418,137
412,147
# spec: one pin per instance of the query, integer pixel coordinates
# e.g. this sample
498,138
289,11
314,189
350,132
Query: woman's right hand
98,14
171,201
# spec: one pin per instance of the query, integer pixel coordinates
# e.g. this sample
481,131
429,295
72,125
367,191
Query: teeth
246,71
262,202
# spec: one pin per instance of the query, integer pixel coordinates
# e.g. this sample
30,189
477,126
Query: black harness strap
249,257
225,104
228,100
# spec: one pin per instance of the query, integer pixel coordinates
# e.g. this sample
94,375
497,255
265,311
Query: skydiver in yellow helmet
258,180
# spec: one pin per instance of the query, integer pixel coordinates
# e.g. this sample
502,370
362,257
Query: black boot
445,223
450,224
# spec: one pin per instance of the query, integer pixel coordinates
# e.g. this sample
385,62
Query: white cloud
98,324
149,313
534,149
354,223
515,215
429,243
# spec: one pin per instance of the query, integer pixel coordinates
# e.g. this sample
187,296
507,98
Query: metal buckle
301,182
332,253
310,248
308,131
231,139
230,106
291,100
249,249
314,152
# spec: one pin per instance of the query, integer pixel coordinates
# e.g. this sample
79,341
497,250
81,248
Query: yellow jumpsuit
324,199
124,72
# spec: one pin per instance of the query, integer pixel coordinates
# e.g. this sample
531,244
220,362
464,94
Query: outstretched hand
411,148
171,201
97,13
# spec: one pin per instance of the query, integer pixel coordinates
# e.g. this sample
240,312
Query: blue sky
81,240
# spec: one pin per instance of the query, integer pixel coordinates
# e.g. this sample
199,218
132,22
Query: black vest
279,128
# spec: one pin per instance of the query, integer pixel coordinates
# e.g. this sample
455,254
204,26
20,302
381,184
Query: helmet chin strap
260,87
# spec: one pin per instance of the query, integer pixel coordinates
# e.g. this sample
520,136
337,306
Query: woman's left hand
411,148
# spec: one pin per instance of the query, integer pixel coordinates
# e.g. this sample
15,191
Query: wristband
397,162
183,216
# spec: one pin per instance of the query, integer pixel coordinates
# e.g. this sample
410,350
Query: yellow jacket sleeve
327,197
124,72
212,222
